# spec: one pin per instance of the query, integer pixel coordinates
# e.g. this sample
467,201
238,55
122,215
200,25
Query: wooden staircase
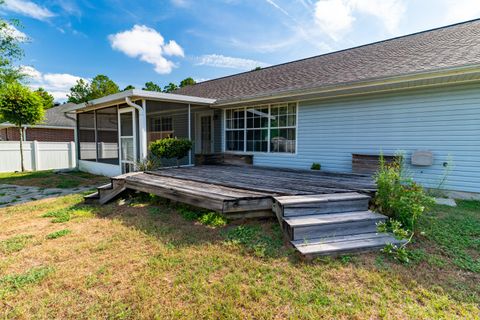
330,224
108,191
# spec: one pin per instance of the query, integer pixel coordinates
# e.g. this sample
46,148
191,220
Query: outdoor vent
422,158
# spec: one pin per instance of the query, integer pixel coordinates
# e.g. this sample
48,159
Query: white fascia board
135,94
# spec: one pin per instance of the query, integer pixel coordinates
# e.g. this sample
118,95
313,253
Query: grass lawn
62,259
50,179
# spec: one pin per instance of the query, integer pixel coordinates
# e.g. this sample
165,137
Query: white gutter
142,120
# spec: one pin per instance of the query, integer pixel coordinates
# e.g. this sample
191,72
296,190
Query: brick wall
39,134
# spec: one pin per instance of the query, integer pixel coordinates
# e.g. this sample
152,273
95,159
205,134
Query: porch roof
135,94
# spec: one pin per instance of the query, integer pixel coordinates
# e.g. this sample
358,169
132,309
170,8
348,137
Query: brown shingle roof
452,46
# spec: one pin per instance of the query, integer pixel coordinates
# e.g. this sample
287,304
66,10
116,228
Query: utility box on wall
422,158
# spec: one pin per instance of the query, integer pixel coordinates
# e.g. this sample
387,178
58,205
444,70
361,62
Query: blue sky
166,41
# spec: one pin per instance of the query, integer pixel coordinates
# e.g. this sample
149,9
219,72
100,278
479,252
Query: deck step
334,218
330,225
92,198
322,204
344,244
305,201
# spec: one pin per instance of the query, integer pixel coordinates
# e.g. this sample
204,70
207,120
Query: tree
80,92
187,82
151,86
20,106
47,98
129,87
170,87
100,86
10,51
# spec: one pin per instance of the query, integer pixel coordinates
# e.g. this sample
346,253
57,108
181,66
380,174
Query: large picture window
267,128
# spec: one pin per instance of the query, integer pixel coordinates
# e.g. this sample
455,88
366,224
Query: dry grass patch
140,260
50,179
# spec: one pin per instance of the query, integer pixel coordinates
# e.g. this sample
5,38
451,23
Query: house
57,127
419,94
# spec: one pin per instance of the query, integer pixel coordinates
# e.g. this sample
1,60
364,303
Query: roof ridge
342,50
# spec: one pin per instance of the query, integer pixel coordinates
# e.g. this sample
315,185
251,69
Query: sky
165,41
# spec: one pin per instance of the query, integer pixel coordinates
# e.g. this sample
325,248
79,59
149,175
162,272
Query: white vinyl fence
37,155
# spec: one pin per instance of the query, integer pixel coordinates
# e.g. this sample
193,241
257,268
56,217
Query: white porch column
142,121
189,132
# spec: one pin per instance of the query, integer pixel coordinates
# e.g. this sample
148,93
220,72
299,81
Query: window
235,126
160,127
283,127
268,128
162,124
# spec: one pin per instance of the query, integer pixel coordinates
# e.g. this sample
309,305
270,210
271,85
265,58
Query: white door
204,133
127,136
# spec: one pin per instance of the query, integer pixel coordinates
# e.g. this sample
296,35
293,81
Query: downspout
142,120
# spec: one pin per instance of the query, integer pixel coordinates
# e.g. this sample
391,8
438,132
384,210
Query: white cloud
389,12
173,49
336,17
28,8
57,84
221,61
462,10
148,45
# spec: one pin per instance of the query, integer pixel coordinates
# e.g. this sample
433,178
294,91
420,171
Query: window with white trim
265,128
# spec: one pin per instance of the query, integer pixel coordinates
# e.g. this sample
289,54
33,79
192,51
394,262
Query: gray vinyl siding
444,121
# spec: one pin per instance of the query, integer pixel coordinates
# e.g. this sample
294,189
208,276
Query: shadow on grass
183,226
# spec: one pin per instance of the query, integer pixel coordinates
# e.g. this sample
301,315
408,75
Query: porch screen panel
107,135
86,136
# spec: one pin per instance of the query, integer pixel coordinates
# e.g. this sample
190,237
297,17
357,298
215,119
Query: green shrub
316,166
399,197
171,148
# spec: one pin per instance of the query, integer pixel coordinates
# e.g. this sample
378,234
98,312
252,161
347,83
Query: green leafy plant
171,148
208,218
399,253
213,219
399,197
149,163
14,244
316,166
12,283
254,239
58,234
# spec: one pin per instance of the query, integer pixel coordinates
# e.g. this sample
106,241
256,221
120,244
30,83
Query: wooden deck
241,190
320,213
